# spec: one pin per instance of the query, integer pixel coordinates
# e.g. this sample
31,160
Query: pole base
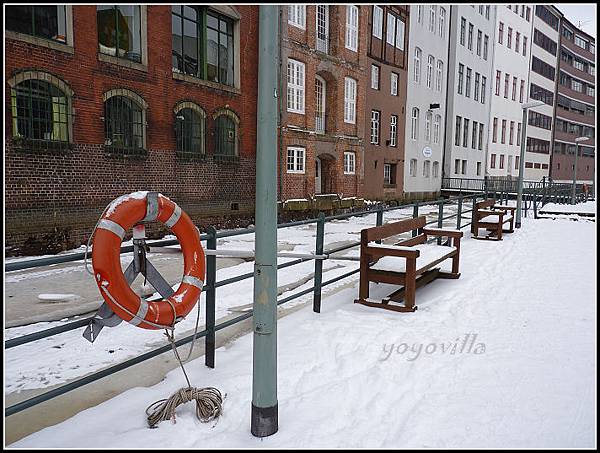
518,225
264,421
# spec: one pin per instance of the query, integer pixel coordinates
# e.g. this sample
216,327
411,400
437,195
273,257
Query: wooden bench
411,262
487,214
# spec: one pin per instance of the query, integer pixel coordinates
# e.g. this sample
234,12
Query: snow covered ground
503,357
588,207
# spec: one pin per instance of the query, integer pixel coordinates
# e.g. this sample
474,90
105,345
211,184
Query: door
317,176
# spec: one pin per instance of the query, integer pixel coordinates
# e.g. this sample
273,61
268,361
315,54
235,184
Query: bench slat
394,228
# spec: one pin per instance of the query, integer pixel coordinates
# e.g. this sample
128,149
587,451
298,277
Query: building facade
387,60
426,100
575,106
106,100
543,79
470,64
322,111
512,55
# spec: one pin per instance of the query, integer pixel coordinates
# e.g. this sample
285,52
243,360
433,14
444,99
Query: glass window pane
190,13
129,32
177,50
18,18
190,47
212,55
107,31
46,22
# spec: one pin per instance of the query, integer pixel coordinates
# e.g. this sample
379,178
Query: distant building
426,100
385,119
470,63
575,105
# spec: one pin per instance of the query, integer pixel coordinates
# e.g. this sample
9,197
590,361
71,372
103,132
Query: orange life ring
121,215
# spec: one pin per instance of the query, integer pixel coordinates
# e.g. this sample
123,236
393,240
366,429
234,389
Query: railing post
379,220
544,191
485,186
440,218
211,278
318,263
535,216
415,215
459,211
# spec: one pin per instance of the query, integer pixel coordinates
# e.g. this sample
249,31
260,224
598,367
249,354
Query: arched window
124,121
226,135
41,109
190,130
414,132
417,63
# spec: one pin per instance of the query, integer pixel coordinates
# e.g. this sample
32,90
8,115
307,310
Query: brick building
106,100
322,104
575,105
387,59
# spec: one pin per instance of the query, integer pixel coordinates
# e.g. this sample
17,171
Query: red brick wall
48,192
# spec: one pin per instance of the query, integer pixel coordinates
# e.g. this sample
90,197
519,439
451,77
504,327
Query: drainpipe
447,100
264,420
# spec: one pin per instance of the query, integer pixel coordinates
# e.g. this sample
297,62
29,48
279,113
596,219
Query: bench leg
363,289
499,234
411,284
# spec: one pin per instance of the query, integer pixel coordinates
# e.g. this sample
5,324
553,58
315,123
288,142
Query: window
474,135
480,144
378,22
512,133
120,31
394,84
322,28
468,83
517,41
428,118
544,13
349,100
432,18
47,21
492,161
375,77
501,161
541,94
375,117
497,83
518,134
517,162
391,29
544,42
226,134
419,13
442,22
414,129
393,130
521,91
483,90
429,79
506,83
463,26
417,65
191,42
295,159
439,76
500,32
41,110
465,142
352,27
295,86
412,169
576,85
580,42
349,163
514,89
320,104
190,129
124,122
297,16
485,47
461,70
400,30
527,13
478,168
542,68
539,120
495,131
456,166
479,37
464,167
476,92
436,128
509,38
387,173
436,169
524,45
426,169
457,131
503,136
470,41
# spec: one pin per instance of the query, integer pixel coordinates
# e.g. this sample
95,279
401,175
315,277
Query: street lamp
577,140
525,107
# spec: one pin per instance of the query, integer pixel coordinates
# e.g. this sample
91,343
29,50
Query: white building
510,87
470,64
543,77
426,100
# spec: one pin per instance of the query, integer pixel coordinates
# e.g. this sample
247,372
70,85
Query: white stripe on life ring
171,221
190,280
113,227
141,313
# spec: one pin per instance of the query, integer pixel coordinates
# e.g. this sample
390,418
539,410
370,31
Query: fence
212,285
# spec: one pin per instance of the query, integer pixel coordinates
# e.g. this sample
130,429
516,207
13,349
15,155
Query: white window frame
400,33
436,128
375,76
393,130
295,86
394,83
440,75
414,124
412,168
427,168
375,126
442,22
387,173
390,35
297,16
352,27
428,120
435,169
417,65
349,163
377,22
298,161
350,86
429,76
432,9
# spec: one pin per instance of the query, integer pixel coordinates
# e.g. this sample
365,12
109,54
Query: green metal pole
459,212
211,278
319,263
573,201
264,420
521,170
415,215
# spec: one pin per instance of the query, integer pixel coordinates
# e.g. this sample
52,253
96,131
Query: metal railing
212,284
